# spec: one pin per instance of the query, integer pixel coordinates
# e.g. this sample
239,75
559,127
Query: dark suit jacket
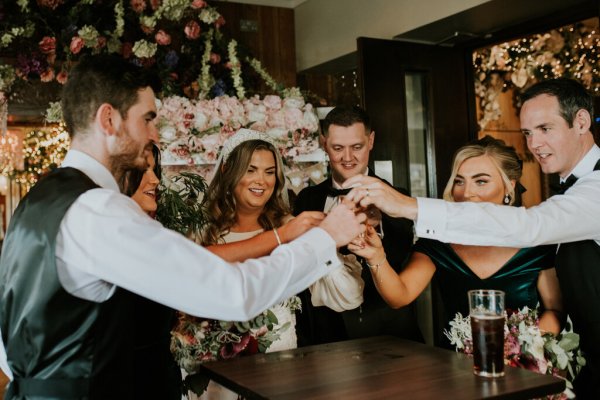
374,317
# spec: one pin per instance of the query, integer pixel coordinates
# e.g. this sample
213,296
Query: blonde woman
486,170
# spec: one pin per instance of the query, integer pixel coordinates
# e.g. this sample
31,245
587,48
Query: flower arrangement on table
570,51
197,340
527,347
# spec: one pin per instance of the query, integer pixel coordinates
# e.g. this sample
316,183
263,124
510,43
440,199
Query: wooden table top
381,367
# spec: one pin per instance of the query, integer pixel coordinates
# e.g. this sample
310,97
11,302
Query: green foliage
180,205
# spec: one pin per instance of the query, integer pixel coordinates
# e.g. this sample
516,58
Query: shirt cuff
431,218
324,248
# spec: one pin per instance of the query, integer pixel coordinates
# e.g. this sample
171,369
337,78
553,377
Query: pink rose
76,44
48,45
155,4
138,5
162,38
62,77
273,102
192,30
215,58
220,22
198,4
47,75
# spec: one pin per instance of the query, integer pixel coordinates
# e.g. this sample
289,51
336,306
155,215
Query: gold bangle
277,237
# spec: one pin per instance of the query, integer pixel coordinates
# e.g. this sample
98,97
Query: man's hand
343,225
300,224
368,191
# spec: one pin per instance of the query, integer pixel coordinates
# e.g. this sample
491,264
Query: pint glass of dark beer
487,327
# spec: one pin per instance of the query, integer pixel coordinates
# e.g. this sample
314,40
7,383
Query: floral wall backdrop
205,75
570,51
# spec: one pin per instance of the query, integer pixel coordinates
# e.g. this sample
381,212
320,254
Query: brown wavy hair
220,202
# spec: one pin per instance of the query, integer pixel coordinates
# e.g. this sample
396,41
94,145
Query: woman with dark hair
154,378
486,170
141,185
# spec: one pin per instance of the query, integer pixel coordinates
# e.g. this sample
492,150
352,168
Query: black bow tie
570,181
333,192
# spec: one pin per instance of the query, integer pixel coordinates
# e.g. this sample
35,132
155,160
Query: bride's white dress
341,289
287,340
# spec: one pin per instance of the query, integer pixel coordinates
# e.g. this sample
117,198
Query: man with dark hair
348,139
77,250
556,118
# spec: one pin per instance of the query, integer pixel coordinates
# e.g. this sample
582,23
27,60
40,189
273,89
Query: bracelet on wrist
277,236
375,270
376,266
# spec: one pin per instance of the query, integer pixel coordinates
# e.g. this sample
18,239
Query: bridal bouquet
526,347
198,340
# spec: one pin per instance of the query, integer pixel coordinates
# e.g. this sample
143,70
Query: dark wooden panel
382,68
273,44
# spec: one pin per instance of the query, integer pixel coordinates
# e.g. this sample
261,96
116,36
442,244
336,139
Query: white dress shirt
571,217
106,241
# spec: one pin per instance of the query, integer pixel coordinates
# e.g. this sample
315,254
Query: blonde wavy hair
505,159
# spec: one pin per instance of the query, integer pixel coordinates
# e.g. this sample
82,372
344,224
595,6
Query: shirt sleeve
342,288
564,218
107,236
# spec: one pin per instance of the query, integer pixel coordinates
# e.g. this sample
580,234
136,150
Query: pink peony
215,58
155,4
76,44
192,30
220,22
138,5
272,102
48,45
62,77
198,4
162,38
47,75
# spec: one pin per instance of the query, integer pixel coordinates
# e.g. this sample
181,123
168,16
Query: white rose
168,133
293,102
200,121
278,133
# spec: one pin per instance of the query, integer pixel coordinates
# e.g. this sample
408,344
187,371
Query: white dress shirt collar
337,185
92,168
587,163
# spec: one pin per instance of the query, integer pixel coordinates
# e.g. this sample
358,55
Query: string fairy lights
43,150
570,51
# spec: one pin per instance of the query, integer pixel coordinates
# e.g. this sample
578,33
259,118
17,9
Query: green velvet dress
517,278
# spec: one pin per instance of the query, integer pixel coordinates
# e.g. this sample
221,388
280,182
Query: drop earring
506,199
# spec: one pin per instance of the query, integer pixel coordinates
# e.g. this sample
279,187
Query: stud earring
506,199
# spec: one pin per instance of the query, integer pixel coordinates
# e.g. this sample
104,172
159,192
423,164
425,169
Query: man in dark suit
348,139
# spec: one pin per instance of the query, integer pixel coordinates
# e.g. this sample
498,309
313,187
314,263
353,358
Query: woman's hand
300,224
368,246
368,190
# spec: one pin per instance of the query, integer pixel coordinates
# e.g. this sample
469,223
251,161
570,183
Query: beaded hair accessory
241,136
244,135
